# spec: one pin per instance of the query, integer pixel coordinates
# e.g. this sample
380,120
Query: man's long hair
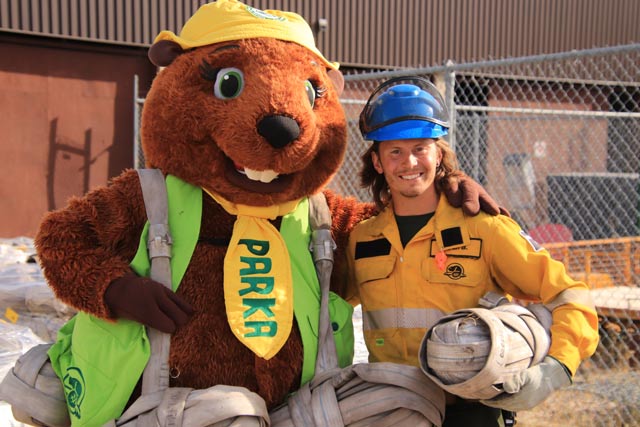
377,184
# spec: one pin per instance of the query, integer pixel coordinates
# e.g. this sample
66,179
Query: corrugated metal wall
428,32
114,21
368,33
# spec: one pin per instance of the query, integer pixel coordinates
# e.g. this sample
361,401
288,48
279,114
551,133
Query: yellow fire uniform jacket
449,265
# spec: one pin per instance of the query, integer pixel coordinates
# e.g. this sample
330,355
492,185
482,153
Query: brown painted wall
66,114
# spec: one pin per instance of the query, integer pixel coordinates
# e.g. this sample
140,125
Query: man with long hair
421,258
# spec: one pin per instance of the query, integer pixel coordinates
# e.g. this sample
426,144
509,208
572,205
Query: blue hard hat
404,108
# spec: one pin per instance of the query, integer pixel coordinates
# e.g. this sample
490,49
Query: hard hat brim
408,129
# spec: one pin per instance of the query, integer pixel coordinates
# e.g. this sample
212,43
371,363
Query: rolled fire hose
380,394
217,406
469,352
34,391
36,397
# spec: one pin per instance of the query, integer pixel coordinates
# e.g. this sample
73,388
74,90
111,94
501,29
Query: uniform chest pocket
375,281
374,268
460,271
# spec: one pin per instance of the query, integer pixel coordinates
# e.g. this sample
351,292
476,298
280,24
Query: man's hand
148,302
466,193
532,386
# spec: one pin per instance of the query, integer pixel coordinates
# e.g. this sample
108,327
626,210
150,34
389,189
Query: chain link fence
556,140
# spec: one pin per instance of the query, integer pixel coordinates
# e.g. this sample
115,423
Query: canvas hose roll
34,391
36,397
217,406
380,394
469,352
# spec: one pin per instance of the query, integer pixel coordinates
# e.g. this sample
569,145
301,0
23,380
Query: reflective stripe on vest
400,318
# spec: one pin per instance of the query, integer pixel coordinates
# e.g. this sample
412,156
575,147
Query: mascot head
246,106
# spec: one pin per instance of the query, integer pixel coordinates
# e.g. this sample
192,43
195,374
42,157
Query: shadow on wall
68,166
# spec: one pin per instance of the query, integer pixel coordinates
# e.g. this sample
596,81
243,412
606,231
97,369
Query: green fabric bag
100,362
98,376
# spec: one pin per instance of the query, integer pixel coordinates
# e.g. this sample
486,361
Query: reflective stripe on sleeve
576,296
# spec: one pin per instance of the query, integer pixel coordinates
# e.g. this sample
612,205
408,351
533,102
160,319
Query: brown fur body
189,133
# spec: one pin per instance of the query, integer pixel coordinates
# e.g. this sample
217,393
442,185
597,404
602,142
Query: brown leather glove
464,192
148,302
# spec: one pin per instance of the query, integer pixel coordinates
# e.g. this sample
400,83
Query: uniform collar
448,226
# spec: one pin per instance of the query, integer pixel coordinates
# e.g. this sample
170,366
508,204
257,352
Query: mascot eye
229,83
314,92
311,92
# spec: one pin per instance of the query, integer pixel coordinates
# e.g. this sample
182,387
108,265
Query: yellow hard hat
225,20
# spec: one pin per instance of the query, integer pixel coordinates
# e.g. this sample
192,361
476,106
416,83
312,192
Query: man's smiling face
409,166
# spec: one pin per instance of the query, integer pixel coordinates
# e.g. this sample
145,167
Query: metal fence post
136,124
450,92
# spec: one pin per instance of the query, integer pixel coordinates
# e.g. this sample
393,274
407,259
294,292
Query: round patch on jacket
455,271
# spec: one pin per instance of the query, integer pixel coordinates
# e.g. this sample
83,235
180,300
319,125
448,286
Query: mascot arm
83,247
345,214
462,191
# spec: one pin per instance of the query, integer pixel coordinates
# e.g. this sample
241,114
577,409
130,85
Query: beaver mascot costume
244,122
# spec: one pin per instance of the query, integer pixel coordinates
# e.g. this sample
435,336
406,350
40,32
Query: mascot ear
337,79
164,52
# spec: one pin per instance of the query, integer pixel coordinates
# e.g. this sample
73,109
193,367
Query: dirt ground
597,398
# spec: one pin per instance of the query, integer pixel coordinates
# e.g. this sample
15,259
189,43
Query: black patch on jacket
451,237
373,248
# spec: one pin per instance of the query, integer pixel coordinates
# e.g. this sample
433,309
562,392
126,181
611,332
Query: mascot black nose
279,131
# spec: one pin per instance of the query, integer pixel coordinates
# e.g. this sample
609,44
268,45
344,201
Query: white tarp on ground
24,292
29,313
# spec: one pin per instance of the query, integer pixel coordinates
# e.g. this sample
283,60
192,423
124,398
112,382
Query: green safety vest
100,362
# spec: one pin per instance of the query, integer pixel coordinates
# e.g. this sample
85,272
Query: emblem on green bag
74,388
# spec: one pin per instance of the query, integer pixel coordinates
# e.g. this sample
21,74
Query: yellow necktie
258,289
